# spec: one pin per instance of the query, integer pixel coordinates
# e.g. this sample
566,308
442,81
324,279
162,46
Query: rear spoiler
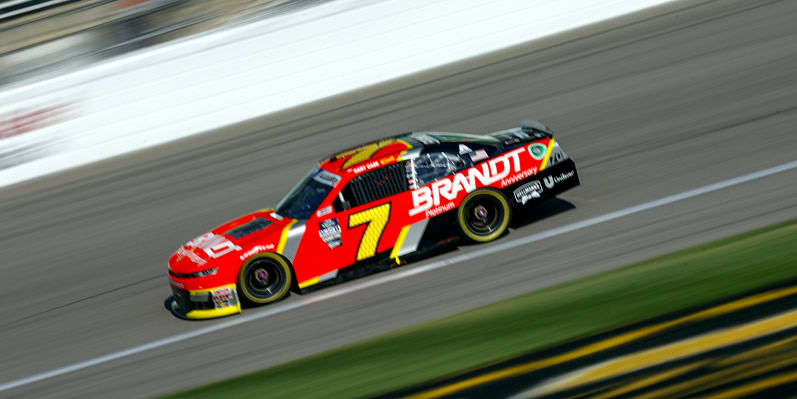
532,125
529,130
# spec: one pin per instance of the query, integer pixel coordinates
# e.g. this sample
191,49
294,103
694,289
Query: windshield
303,200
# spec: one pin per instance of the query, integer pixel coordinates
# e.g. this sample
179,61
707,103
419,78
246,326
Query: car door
367,208
357,223
375,208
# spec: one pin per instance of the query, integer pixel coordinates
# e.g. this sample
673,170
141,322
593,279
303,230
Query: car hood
256,232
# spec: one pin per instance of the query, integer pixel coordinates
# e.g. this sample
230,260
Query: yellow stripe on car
284,236
399,242
547,155
212,313
309,282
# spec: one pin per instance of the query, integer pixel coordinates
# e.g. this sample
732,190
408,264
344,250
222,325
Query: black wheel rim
264,278
483,215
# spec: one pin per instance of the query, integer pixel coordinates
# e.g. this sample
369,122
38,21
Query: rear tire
264,278
484,215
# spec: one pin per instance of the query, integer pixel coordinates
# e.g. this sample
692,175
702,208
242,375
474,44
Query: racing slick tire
484,215
264,278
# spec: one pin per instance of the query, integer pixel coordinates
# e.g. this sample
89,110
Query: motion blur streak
487,250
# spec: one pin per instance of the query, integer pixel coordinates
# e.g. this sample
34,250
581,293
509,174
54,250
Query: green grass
416,354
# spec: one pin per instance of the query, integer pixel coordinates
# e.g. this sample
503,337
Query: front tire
264,278
484,215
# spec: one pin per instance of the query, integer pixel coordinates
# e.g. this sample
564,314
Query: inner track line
399,274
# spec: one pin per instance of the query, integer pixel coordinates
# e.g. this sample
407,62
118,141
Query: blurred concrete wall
82,32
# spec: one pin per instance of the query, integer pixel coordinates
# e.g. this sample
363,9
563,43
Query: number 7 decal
376,218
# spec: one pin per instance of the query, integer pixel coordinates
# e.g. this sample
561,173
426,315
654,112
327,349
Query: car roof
389,150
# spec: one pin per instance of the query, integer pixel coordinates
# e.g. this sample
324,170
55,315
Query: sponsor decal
182,253
523,175
196,241
537,151
214,246
33,131
329,230
528,191
33,118
551,180
557,155
385,161
479,155
366,167
256,250
324,211
492,171
176,284
330,179
440,210
222,297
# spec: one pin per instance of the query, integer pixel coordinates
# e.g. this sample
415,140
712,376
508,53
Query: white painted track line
487,250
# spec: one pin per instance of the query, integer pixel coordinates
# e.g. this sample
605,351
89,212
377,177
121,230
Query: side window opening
372,186
432,166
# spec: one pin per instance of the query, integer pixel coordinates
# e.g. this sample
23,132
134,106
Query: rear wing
532,125
529,130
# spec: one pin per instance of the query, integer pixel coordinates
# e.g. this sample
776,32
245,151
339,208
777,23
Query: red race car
367,209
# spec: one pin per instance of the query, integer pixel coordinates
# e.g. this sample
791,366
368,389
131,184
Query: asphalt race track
650,105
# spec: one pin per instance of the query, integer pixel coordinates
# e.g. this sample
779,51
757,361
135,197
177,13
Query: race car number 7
376,219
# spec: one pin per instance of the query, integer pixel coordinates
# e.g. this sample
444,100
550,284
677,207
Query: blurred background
42,36
41,39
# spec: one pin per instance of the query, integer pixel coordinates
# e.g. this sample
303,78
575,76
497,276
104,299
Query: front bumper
206,303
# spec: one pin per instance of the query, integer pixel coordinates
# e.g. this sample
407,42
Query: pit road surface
649,105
